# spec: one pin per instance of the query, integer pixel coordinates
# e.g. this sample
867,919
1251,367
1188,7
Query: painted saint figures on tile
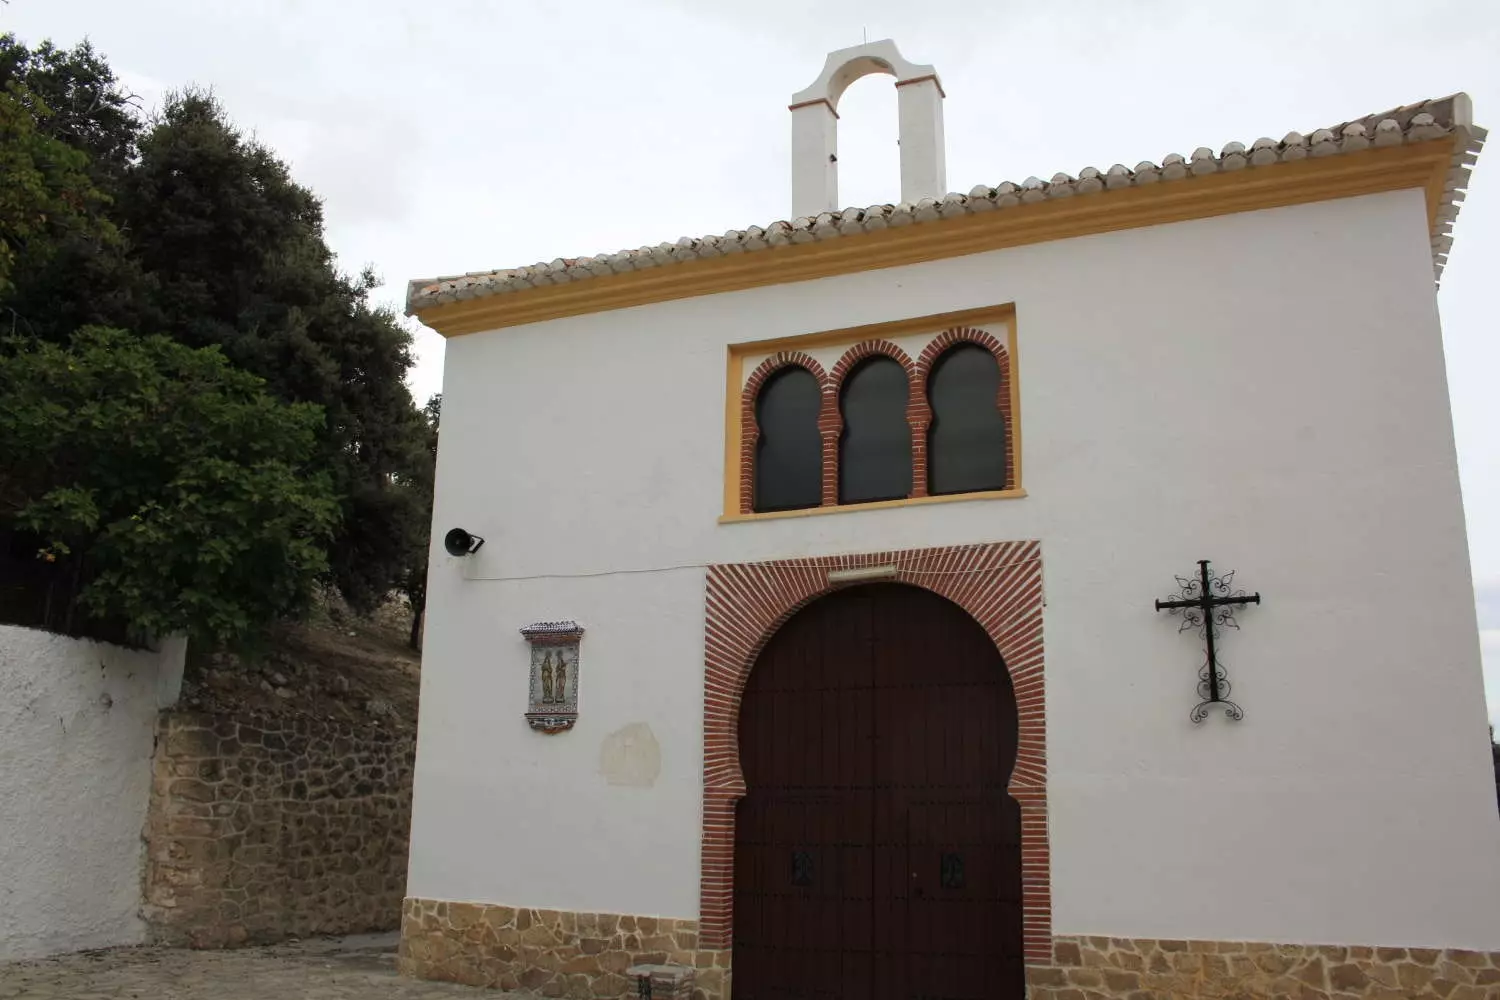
553,697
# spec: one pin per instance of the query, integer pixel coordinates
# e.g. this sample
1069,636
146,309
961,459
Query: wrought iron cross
1208,604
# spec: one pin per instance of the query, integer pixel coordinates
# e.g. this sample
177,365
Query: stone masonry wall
264,827
554,953
584,956
1100,968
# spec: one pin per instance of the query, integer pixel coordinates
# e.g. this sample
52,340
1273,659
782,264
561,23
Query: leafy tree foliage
217,246
168,488
237,254
77,276
47,196
86,108
420,485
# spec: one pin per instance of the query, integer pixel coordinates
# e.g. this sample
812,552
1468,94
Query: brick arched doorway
877,853
1000,586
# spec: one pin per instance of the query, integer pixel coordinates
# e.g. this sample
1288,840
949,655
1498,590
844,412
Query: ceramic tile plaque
553,702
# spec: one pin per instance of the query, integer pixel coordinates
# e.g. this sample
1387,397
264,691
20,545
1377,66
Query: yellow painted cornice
1422,165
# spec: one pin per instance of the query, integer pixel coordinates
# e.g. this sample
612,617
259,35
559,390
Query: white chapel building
1057,590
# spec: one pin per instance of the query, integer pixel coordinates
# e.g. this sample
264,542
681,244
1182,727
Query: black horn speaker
459,542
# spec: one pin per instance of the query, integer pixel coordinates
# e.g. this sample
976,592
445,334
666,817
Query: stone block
662,981
1045,976
192,743
1347,977
1467,992
1314,974
499,916
1415,977
1067,953
611,986
534,977
1468,959
588,964
1088,978
461,916
539,935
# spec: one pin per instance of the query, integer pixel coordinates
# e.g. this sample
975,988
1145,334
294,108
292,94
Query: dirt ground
334,665
352,968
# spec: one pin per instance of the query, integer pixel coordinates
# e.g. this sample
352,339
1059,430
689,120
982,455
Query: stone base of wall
554,953
1100,968
584,956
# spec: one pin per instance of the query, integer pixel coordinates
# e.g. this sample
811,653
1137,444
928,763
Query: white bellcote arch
815,169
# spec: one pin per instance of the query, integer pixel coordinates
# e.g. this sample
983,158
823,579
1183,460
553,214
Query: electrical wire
795,564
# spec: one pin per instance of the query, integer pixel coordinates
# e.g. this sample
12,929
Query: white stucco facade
1263,389
77,724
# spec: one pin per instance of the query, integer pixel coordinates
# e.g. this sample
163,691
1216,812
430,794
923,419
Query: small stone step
662,982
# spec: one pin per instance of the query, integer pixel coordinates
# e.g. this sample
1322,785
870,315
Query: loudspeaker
459,542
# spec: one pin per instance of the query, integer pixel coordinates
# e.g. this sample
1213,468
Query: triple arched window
886,430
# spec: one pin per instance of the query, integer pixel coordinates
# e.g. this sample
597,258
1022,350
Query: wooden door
877,854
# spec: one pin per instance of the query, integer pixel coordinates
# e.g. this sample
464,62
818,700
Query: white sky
458,135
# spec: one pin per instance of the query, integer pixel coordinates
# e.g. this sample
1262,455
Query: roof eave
1356,145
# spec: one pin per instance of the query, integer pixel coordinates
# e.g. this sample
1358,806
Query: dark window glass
788,452
966,441
875,455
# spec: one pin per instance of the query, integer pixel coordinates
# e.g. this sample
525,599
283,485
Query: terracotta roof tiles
1448,116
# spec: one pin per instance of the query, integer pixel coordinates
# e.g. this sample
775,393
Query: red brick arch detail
865,349
750,431
918,415
999,584
971,335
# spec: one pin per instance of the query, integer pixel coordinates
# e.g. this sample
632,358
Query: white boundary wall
77,724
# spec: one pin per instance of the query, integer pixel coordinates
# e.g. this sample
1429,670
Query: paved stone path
353,968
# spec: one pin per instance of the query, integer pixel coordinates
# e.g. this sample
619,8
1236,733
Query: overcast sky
458,135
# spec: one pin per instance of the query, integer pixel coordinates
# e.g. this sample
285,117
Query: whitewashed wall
1265,390
77,721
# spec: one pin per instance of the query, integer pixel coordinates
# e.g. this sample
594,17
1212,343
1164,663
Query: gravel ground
351,968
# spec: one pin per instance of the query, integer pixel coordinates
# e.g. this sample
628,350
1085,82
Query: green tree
47,196
86,106
420,483
80,275
237,258
169,490
217,246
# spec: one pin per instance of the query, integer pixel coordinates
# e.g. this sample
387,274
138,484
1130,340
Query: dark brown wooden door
877,854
